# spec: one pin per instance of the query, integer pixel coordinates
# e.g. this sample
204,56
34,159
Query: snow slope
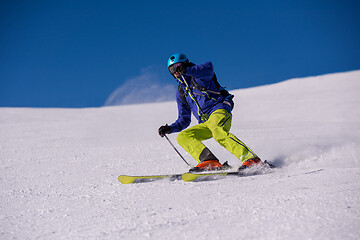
59,170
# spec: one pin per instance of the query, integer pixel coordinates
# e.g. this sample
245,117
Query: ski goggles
172,68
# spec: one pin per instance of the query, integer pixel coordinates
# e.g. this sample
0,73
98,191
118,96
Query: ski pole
176,150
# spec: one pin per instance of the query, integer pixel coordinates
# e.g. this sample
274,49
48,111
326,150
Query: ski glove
164,130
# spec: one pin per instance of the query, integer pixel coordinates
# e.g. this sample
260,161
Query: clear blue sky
76,53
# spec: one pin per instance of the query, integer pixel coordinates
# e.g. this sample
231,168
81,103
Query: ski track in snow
59,170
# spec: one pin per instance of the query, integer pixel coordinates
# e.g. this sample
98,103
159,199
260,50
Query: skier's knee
181,138
219,135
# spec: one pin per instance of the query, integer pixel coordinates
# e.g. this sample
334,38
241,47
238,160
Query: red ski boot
207,165
251,162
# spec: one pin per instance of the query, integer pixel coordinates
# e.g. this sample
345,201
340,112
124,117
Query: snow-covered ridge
59,169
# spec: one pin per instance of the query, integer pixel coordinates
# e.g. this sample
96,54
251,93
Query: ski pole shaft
176,150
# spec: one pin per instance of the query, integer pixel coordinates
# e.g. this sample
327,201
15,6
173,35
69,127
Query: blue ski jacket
208,102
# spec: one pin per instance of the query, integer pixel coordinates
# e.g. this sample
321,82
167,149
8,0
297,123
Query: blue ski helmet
177,57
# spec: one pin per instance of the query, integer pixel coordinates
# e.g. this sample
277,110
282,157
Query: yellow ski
126,179
190,177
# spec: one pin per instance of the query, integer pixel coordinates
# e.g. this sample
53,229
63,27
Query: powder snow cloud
145,88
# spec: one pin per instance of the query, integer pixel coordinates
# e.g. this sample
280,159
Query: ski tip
189,177
126,179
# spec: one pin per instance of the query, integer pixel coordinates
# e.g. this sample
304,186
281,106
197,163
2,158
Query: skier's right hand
164,130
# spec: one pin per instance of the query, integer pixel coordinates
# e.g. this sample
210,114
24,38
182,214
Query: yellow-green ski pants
217,126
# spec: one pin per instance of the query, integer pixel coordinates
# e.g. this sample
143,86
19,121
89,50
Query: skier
200,93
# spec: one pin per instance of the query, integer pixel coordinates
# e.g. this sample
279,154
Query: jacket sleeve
184,115
205,71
